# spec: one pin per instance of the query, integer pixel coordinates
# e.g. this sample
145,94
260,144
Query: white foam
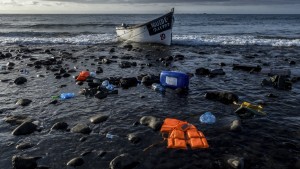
78,40
196,40
193,40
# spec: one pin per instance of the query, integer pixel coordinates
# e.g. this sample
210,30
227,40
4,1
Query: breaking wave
196,40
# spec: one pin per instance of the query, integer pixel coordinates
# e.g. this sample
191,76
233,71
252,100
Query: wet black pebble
53,102
134,138
123,161
23,146
81,128
78,161
82,139
19,162
20,80
59,126
98,119
23,102
101,153
151,121
25,128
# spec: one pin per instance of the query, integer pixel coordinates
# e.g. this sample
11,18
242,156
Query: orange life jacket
182,133
83,76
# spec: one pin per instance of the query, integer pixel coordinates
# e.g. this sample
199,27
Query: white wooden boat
158,30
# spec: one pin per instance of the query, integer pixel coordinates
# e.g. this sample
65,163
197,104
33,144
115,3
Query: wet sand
270,141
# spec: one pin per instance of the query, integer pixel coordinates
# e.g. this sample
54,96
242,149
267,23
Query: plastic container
110,136
158,87
64,96
107,85
92,74
174,79
272,72
207,118
24,71
3,67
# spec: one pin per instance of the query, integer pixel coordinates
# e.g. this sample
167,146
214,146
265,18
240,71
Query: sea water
189,29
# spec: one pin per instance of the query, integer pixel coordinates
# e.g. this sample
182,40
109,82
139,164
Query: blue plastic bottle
207,118
64,96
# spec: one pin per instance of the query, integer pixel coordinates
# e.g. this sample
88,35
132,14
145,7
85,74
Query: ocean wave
197,40
78,40
86,38
50,26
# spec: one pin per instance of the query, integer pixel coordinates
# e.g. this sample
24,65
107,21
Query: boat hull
156,31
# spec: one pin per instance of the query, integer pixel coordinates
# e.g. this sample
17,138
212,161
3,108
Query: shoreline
252,145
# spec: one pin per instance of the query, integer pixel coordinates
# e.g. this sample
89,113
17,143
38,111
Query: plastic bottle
3,67
158,87
110,87
107,85
64,96
92,74
24,71
110,136
207,118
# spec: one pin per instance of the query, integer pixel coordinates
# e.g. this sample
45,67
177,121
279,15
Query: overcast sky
152,6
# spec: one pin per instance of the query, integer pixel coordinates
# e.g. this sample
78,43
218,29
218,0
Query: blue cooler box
174,79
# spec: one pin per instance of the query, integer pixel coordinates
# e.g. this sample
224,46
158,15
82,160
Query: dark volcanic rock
278,82
98,119
16,119
125,64
134,138
10,64
179,57
78,161
60,126
19,162
247,68
25,128
101,95
123,161
128,82
236,162
202,71
23,102
150,79
20,80
153,122
217,72
223,97
23,146
81,128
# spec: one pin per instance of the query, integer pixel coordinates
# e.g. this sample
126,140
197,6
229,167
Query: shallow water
270,141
